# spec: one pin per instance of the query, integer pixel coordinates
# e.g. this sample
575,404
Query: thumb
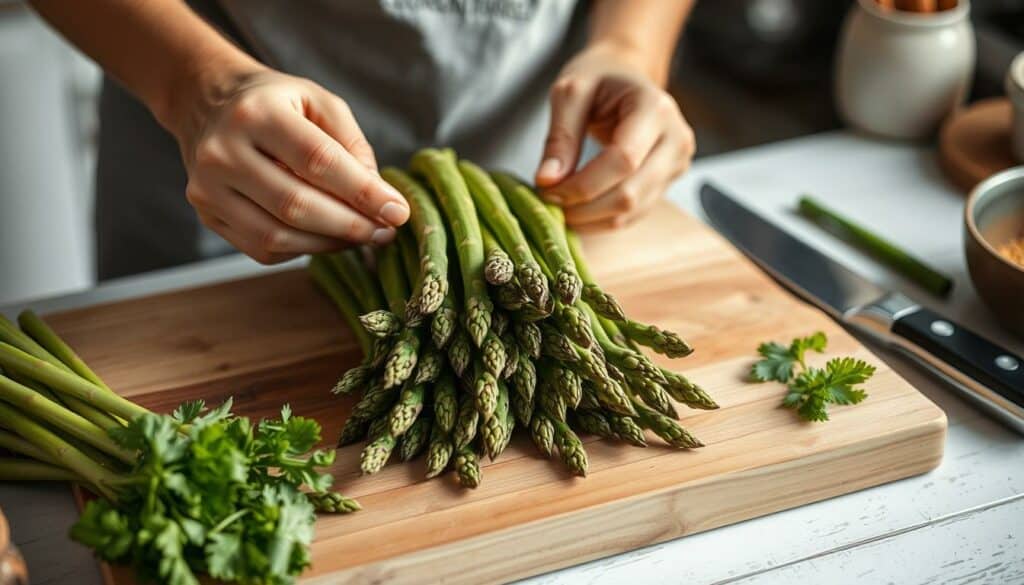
570,107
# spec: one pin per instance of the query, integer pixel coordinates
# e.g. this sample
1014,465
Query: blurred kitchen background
748,72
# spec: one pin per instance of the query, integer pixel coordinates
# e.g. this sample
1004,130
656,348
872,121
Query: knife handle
965,354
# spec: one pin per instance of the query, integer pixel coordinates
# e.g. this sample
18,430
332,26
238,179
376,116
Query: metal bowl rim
981,192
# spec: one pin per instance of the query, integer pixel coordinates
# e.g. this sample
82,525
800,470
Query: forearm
157,49
645,31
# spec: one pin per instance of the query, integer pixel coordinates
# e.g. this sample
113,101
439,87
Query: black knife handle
967,352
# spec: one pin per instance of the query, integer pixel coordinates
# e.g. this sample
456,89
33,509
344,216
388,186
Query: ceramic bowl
994,215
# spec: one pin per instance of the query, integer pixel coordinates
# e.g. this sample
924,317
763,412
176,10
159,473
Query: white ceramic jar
899,74
1015,92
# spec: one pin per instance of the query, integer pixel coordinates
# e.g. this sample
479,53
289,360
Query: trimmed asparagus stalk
59,451
492,206
439,167
431,286
546,233
66,383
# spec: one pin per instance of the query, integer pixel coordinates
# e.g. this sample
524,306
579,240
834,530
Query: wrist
197,84
633,56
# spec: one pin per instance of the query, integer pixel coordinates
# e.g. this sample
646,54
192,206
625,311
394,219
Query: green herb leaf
777,363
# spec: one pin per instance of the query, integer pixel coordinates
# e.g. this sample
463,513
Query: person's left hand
647,142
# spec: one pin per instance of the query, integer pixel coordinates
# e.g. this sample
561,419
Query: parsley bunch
811,389
210,492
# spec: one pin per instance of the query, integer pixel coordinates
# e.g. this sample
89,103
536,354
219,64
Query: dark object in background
767,42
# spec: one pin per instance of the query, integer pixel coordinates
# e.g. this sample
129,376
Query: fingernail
382,236
550,167
394,213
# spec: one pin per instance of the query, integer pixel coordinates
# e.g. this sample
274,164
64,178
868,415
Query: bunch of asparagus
483,316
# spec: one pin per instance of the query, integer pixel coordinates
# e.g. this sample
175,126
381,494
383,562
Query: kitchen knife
991,376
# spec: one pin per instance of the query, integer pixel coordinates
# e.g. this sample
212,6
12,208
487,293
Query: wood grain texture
273,339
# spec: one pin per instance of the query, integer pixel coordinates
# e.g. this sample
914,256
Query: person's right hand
278,166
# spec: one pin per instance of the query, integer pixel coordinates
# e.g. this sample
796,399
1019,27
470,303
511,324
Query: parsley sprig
811,389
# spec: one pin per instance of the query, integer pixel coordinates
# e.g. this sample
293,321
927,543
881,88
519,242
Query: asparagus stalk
511,355
459,352
571,449
627,429
491,205
333,503
485,387
542,431
498,266
439,167
14,469
668,429
685,391
466,423
405,411
660,340
381,323
467,468
493,354
439,453
429,365
376,454
595,423
431,287
529,337
494,428
443,323
9,333
602,302
16,444
546,233
415,439
59,451
72,423
446,403
320,270
66,383
351,272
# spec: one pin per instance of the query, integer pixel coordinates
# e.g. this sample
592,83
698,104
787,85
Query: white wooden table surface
962,523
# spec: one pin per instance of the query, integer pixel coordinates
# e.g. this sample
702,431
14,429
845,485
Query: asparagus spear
485,388
529,337
439,453
494,428
381,323
494,209
669,430
376,453
522,408
546,233
602,302
333,503
627,429
660,340
467,468
595,423
429,290
466,423
567,384
439,167
499,323
66,383
459,352
551,402
498,267
352,379
493,354
49,347
685,391
511,355
320,270
542,430
16,469
443,323
654,395
431,361
405,411
351,271
571,449
446,403
415,439
16,444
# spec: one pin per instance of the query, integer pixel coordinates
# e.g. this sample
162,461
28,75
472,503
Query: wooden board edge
629,524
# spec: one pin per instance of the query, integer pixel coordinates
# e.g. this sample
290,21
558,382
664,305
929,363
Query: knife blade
989,375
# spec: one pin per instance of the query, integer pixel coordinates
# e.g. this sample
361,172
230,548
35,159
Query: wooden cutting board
274,339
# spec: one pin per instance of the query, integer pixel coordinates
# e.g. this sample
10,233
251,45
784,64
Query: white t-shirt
470,74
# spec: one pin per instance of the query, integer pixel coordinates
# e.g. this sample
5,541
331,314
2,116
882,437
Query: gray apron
470,74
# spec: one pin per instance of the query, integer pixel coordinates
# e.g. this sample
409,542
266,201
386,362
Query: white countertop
958,524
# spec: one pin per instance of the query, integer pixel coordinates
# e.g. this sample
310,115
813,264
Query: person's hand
278,166
647,142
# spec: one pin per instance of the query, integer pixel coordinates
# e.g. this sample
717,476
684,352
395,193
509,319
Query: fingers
571,99
255,232
321,160
641,126
300,205
636,192
333,115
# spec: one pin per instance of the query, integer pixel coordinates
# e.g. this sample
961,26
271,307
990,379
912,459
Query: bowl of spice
994,245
